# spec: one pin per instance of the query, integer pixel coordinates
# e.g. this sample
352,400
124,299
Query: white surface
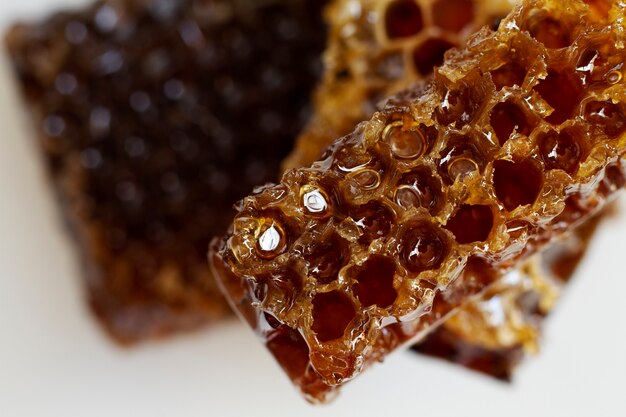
54,360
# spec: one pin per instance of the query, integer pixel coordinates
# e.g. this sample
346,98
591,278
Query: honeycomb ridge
535,186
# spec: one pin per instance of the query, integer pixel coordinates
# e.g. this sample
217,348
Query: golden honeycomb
300,258
376,48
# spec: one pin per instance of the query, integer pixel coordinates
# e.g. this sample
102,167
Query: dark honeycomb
154,117
352,192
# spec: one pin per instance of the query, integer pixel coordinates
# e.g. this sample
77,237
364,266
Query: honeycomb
138,108
492,334
363,35
369,249
377,48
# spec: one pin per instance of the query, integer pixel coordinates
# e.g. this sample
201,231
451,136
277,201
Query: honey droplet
271,241
404,144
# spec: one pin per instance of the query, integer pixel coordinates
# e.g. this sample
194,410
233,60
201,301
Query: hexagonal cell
453,15
471,223
405,143
562,91
508,75
373,219
608,116
507,117
284,284
328,258
460,158
516,183
458,106
562,150
403,18
423,247
374,281
332,313
419,188
549,31
429,54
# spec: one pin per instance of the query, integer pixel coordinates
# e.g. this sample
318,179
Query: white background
54,360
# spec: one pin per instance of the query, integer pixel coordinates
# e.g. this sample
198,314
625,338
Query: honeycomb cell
419,188
457,107
271,240
423,247
315,201
460,159
608,116
327,259
561,150
549,31
508,75
332,313
429,54
562,91
453,15
471,223
516,183
284,283
374,281
373,220
403,18
405,143
507,117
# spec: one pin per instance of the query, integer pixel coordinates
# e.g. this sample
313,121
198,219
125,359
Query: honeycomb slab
152,125
299,258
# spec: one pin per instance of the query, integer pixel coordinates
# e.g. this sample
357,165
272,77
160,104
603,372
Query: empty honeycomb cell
374,281
373,221
471,223
453,15
458,106
607,116
419,188
327,259
507,117
508,75
403,18
561,150
549,31
516,183
562,91
429,54
423,247
332,313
